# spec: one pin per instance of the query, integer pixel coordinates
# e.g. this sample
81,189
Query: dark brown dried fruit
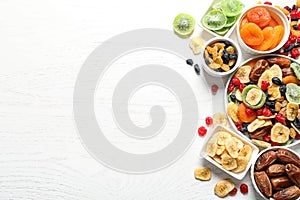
293,172
282,62
289,193
275,170
287,72
265,160
263,183
259,67
279,183
257,134
286,157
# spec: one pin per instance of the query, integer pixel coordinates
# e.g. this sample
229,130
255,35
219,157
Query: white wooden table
43,45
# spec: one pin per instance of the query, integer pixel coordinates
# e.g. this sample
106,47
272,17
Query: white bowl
295,142
253,168
216,73
231,29
255,150
275,13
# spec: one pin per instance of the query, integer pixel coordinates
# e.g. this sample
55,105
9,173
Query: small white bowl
216,73
253,168
278,15
218,128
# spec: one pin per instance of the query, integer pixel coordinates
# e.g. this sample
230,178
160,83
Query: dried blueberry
273,110
295,27
227,43
270,104
296,123
282,89
207,62
233,97
276,81
294,19
244,124
190,62
244,130
197,69
232,56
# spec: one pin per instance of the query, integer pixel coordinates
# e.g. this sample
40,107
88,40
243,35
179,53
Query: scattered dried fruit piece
202,131
223,187
203,174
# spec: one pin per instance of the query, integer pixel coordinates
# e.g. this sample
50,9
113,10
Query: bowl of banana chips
229,151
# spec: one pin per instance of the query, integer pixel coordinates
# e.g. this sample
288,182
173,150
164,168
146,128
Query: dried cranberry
292,38
267,137
287,44
249,112
233,192
208,121
297,137
259,112
242,86
274,144
268,3
238,125
230,87
244,188
236,81
202,131
265,85
267,112
295,53
280,118
293,14
214,89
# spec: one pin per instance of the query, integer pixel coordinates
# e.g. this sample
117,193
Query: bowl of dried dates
276,174
262,100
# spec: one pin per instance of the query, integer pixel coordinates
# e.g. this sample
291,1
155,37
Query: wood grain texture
42,46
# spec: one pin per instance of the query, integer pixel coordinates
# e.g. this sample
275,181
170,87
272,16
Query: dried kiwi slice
296,69
183,25
230,21
214,20
222,31
232,7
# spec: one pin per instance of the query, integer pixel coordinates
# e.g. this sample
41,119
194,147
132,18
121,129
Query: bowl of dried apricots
262,29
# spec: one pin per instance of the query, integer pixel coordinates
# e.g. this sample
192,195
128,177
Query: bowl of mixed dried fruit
221,56
262,100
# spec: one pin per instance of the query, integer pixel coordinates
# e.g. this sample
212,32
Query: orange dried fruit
260,16
242,115
251,34
290,79
279,32
243,22
268,41
273,23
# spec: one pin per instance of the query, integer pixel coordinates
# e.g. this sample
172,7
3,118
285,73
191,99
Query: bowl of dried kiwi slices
221,56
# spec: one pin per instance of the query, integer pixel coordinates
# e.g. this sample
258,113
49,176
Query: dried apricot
290,79
260,16
243,22
273,23
278,34
268,41
252,34
242,115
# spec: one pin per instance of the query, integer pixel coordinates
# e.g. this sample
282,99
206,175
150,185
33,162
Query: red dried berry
236,81
208,121
259,112
244,188
214,89
297,137
230,87
265,85
238,125
280,118
249,112
295,53
274,144
241,87
267,112
292,38
287,44
268,3
267,138
233,192
293,14
202,131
